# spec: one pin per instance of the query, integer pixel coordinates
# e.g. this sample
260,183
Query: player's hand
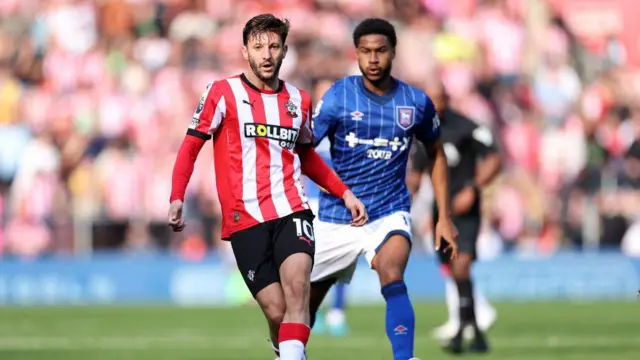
358,211
175,216
447,231
464,200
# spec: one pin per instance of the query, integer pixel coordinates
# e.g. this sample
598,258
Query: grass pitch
546,331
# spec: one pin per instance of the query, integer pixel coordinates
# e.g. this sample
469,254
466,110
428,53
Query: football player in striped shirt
263,141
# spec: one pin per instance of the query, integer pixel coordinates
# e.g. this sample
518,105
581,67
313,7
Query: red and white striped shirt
255,133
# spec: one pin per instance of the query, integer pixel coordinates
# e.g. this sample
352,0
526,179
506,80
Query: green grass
580,331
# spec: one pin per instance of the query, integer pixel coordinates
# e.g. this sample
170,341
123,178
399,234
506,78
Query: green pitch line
567,331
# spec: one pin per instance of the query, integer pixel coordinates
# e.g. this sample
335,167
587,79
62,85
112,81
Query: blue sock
339,299
400,320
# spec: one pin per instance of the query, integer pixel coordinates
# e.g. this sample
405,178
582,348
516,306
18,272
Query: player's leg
295,330
485,313
337,251
253,252
336,318
389,259
294,250
448,330
319,290
271,301
468,228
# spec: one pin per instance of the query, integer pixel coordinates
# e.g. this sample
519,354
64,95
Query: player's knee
389,268
461,267
389,273
296,291
391,259
274,312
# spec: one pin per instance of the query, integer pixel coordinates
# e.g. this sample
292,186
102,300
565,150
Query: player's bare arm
487,170
445,229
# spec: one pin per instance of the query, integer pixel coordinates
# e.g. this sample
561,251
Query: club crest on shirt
405,116
291,109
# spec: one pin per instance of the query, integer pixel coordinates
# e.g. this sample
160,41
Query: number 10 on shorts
304,228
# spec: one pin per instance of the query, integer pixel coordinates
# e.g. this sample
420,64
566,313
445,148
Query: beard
255,67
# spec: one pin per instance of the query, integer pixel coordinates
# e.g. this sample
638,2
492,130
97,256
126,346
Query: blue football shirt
370,137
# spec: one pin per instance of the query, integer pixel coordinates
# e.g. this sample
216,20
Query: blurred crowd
96,96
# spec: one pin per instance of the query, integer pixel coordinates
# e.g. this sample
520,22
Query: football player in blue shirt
371,121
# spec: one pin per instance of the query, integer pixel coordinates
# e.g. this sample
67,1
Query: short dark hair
265,23
375,26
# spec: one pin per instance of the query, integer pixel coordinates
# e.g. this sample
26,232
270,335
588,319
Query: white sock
292,350
335,317
481,302
453,302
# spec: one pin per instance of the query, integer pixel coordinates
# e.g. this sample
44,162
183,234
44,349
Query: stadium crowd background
96,96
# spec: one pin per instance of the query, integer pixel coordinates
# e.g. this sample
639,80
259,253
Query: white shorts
339,245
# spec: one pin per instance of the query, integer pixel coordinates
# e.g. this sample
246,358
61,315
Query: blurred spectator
95,97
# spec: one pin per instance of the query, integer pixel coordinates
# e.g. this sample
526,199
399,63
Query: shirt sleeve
183,167
313,166
209,113
428,129
325,119
483,141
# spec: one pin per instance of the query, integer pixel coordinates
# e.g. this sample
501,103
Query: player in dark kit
465,142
